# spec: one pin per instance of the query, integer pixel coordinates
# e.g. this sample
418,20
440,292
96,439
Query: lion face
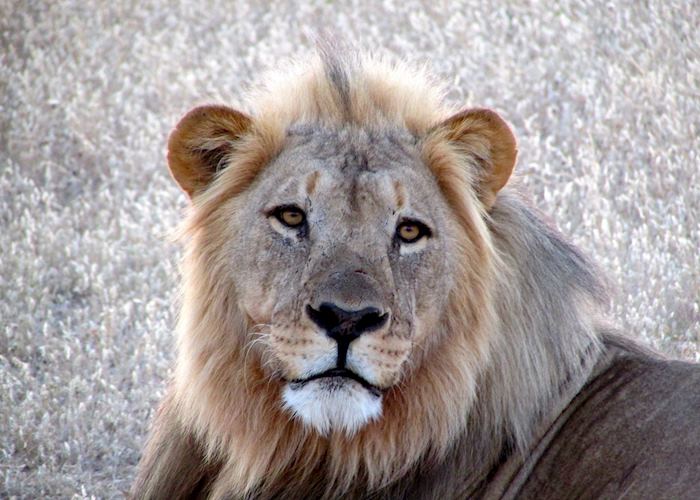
338,240
340,258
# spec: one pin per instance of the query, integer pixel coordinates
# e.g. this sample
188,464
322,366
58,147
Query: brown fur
516,343
235,420
384,450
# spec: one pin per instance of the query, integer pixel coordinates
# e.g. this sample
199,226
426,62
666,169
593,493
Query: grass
603,97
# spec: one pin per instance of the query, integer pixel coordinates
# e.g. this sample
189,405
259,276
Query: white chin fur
329,404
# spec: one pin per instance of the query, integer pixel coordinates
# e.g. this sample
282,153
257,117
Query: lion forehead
350,165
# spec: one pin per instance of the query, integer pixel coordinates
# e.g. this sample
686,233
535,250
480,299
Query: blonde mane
519,332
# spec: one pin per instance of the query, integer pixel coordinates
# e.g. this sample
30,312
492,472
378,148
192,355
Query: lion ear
488,141
200,144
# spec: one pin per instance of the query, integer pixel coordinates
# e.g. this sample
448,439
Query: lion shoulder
634,430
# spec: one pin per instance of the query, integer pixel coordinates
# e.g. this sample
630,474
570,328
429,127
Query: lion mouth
341,373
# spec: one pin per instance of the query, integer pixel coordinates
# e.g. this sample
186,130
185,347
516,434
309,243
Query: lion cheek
299,358
258,306
381,365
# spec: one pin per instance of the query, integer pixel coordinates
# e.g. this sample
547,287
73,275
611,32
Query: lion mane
524,329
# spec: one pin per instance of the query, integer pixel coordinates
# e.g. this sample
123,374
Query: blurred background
604,97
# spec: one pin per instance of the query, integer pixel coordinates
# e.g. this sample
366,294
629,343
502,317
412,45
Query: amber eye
290,216
410,231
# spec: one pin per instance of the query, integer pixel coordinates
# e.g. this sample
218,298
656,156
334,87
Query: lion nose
344,326
340,324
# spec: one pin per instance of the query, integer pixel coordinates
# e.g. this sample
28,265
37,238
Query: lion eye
411,231
290,216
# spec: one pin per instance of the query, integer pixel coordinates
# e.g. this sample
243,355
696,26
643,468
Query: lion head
344,284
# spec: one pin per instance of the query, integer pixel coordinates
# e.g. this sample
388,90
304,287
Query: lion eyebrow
400,193
311,181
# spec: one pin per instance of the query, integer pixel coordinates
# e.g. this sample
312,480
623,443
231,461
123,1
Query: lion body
497,374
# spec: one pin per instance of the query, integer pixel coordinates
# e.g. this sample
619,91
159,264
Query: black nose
345,326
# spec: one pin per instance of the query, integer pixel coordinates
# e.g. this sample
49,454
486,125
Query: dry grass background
604,96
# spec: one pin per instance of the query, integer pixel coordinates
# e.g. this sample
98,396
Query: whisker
257,337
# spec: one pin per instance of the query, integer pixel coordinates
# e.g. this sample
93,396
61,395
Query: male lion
369,311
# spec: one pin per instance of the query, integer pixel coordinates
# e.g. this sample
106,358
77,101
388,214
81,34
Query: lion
371,308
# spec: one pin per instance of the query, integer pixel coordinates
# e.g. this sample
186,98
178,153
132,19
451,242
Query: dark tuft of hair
340,60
